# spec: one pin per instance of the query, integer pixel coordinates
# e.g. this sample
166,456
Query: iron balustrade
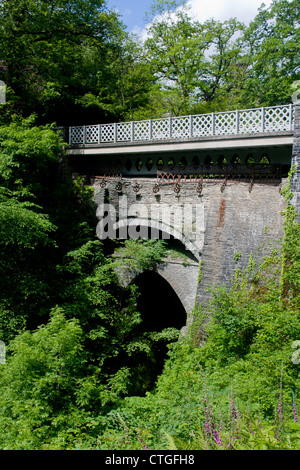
240,122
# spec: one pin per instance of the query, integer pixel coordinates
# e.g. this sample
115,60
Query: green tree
222,73
28,167
44,53
125,82
39,383
272,44
42,218
176,52
192,61
49,258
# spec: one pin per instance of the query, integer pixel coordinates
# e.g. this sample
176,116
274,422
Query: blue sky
133,11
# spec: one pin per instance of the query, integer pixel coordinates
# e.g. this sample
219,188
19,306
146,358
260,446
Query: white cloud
222,10
138,31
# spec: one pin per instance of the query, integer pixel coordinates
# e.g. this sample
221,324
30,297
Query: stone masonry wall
238,223
184,213
295,182
228,225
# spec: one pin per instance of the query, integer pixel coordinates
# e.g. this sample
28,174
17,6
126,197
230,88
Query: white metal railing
247,121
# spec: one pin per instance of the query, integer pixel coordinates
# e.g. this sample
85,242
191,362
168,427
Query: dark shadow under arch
158,303
160,308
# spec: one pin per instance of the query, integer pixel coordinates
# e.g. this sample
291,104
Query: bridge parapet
272,119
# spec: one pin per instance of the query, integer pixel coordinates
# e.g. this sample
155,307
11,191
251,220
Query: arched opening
222,160
171,163
138,164
160,163
153,230
149,164
128,164
250,160
158,303
265,160
160,308
235,160
195,162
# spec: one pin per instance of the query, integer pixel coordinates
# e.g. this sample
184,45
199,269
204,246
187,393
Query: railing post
213,118
291,117
279,118
263,119
132,131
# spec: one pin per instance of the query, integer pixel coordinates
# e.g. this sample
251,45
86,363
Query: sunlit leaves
21,225
44,46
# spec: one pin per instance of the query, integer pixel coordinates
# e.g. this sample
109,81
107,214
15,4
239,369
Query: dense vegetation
81,369
72,62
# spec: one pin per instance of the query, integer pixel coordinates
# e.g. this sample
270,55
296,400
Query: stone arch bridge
209,185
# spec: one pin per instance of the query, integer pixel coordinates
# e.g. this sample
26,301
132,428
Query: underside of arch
157,227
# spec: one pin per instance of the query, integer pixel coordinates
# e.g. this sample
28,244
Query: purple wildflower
280,410
218,439
234,413
250,427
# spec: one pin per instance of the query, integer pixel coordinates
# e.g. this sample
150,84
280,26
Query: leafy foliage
234,385
47,48
81,370
73,63
70,325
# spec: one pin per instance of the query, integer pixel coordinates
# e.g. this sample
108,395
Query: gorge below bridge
210,185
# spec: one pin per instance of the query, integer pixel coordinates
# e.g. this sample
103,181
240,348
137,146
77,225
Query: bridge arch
180,269
181,274
157,227
180,277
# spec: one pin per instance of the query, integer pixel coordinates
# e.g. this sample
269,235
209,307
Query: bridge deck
284,138
270,126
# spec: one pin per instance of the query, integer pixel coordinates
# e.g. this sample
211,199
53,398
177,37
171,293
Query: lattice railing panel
124,132
277,119
92,134
202,125
225,123
142,130
250,121
76,135
160,129
107,133
181,127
